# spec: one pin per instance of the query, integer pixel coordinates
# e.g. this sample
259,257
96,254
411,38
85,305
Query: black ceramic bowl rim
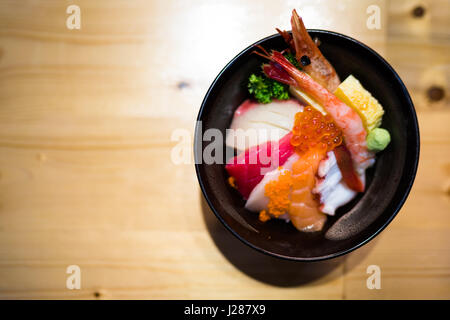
399,204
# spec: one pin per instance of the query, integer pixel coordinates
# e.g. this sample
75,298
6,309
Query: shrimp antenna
264,53
262,49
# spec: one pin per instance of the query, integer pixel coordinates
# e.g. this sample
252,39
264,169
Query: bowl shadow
275,271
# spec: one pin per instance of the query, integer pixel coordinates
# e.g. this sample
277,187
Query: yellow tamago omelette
352,93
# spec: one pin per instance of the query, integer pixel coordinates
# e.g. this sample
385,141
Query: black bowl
389,181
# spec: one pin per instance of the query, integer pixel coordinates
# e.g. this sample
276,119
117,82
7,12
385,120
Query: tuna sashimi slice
249,167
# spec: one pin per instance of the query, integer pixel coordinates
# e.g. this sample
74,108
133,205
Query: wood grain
86,118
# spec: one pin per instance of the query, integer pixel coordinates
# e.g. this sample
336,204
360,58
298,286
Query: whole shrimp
344,116
316,65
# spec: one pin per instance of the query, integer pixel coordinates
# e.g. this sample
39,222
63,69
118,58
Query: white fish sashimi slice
332,190
257,201
254,123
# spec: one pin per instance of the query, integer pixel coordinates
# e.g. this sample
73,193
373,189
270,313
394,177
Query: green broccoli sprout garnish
280,91
265,90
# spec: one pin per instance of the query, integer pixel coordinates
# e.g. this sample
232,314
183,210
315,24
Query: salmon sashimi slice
304,210
303,196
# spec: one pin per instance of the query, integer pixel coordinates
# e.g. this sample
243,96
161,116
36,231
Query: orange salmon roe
232,182
314,130
264,216
278,191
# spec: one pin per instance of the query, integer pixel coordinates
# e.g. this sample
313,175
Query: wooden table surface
86,118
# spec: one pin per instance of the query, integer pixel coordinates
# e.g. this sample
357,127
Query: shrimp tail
349,174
